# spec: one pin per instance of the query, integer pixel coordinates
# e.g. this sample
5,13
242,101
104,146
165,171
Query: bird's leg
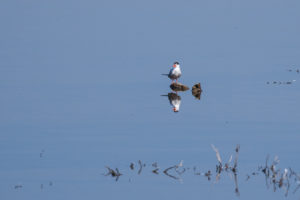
176,80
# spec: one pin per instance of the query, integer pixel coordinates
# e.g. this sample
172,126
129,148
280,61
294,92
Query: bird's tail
165,74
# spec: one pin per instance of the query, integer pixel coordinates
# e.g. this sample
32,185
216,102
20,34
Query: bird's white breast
176,71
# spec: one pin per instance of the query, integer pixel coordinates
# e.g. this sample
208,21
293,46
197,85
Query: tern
175,72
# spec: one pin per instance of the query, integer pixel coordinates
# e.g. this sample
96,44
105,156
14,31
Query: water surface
81,89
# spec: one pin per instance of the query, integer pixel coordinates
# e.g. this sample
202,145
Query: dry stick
236,185
297,179
227,164
131,166
248,177
266,171
110,172
217,154
141,167
283,177
236,158
155,171
174,167
180,165
282,182
296,189
274,172
180,172
166,172
219,167
208,174
288,188
275,162
218,176
113,173
118,174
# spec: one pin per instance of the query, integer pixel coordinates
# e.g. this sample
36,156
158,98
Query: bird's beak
174,65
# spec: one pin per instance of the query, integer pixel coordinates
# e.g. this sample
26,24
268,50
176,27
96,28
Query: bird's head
176,64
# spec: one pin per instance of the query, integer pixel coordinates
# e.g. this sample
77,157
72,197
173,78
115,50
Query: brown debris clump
196,91
178,87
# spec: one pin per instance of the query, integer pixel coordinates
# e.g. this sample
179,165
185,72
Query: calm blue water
81,89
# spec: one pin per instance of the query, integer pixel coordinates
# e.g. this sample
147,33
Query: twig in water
180,172
217,154
227,164
175,167
236,185
248,177
234,169
131,166
166,172
208,174
155,171
113,173
298,186
275,162
141,167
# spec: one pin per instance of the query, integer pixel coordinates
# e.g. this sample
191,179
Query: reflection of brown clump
178,87
196,91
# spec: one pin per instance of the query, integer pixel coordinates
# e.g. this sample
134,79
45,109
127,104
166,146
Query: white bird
175,72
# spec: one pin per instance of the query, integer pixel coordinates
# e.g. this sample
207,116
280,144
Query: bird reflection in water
175,101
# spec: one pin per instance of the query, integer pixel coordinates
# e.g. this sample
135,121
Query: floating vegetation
276,179
175,99
179,87
196,91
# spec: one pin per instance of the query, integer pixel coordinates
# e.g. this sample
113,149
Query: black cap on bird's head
175,64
